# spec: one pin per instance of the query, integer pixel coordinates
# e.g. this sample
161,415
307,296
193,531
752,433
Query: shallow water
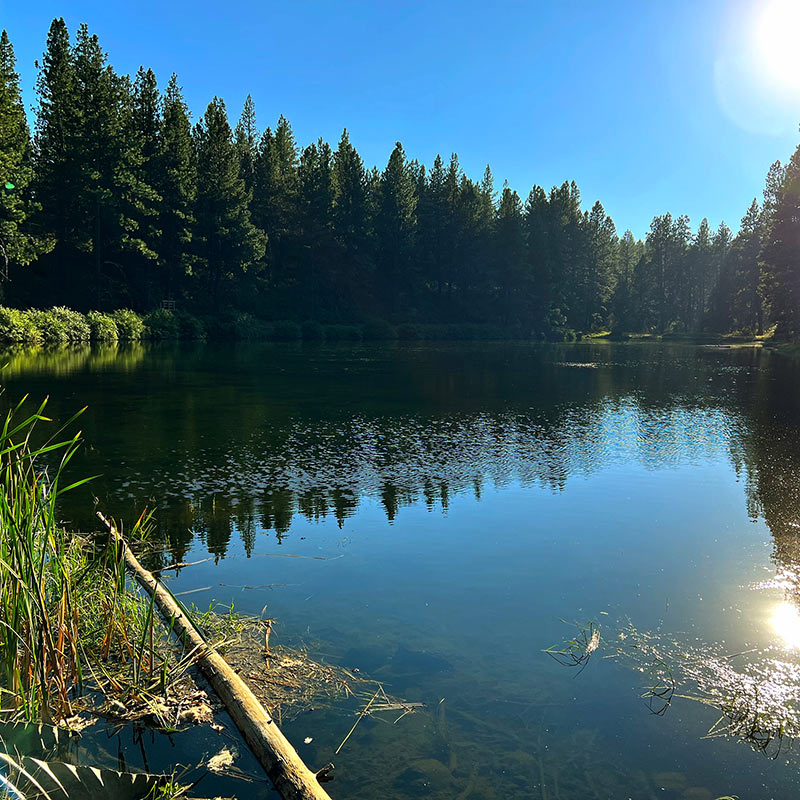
452,506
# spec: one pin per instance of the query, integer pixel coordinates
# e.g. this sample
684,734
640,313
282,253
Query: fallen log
284,767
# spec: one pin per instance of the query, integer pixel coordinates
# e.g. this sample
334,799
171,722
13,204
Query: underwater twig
360,717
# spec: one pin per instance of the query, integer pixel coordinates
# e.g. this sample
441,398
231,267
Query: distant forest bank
116,200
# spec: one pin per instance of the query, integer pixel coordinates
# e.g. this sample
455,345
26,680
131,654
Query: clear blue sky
649,106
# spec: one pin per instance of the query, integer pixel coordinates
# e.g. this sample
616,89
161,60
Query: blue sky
650,106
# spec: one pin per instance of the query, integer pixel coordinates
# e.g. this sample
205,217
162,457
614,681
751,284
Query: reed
70,626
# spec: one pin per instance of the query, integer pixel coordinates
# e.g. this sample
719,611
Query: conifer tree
274,207
246,135
396,227
59,171
145,136
115,196
513,284
782,243
478,202
315,177
701,276
352,225
600,260
629,252
432,217
746,308
177,185
227,241
18,244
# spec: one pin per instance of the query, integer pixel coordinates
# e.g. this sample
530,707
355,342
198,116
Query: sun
778,42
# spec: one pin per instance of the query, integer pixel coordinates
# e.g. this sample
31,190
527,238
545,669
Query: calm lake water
456,510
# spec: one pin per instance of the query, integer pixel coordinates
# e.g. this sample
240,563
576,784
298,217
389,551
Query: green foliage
286,331
396,228
39,647
312,331
342,333
19,246
130,326
60,325
227,241
102,327
190,328
69,628
457,332
176,182
18,326
92,166
236,326
408,332
160,324
378,330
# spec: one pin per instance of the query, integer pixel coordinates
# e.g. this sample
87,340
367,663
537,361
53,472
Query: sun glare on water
778,41
785,622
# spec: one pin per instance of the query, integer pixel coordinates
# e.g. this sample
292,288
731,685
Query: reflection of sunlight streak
758,696
785,621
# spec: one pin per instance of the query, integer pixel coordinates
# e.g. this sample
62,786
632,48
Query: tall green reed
40,566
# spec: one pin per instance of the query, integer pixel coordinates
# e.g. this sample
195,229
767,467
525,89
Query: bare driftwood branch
284,767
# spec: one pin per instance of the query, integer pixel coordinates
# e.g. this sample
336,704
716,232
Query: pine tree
565,247
432,215
601,256
147,119
247,142
227,241
145,136
275,208
316,226
177,185
479,211
629,251
746,302
702,277
782,244
352,222
513,285
453,244
59,171
396,228
538,254
18,245
115,200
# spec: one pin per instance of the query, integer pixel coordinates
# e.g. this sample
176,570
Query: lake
454,510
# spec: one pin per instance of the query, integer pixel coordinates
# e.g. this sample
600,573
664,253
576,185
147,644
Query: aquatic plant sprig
577,651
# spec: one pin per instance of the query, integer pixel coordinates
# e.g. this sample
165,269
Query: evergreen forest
117,197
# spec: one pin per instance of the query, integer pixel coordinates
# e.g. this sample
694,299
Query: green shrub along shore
60,325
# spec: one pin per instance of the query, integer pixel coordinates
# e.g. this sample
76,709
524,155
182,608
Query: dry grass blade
360,717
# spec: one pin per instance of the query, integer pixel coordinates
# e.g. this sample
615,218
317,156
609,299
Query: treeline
117,200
